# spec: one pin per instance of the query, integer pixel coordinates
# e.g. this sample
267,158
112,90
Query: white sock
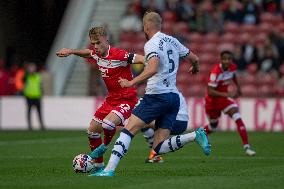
174,143
119,150
99,164
149,136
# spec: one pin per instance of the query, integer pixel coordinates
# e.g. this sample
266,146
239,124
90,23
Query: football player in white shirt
161,100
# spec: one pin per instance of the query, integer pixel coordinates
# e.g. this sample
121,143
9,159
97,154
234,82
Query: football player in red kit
218,99
113,64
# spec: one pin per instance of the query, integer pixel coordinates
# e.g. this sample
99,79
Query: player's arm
194,60
150,70
239,91
214,93
85,53
138,59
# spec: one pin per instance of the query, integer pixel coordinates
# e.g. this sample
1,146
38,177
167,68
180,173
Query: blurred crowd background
252,29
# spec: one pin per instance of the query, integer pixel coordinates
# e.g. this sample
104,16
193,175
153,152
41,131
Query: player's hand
124,83
64,52
194,69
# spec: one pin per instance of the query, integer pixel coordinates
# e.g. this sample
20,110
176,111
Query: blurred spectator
153,5
268,44
268,63
131,21
280,83
239,59
270,5
185,10
179,34
277,39
250,12
249,51
214,20
19,80
233,11
4,78
33,93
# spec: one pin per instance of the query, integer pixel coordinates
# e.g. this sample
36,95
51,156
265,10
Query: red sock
108,135
242,131
94,143
207,130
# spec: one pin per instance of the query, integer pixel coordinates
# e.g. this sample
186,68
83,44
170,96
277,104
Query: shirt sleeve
183,51
151,51
212,80
126,56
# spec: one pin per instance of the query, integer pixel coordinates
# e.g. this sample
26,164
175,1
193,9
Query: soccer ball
82,163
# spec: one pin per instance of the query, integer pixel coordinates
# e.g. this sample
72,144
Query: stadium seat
229,38
265,28
195,37
249,28
212,38
249,90
168,27
182,27
209,48
231,27
226,46
169,16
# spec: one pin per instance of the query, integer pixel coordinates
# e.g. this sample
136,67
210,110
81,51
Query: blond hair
153,18
95,32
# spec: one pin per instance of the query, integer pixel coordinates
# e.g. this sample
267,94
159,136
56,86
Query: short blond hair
95,32
153,18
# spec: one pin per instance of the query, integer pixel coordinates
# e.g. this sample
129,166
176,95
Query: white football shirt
169,50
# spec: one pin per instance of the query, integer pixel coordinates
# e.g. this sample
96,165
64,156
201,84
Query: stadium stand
260,76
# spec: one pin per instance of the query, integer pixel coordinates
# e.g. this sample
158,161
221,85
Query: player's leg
234,113
148,133
38,107
176,142
109,124
28,113
94,135
121,145
213,117
148,110
116,117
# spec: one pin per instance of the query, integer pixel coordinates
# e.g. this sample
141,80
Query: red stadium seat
194,47
249,90
249,28
182,27
229,38
212,38
169,16
209,48
231,27
195,38
260,38
226,46
244,38
168,27
265,28
207,58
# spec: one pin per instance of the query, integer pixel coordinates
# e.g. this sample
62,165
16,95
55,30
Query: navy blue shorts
179,127
160,107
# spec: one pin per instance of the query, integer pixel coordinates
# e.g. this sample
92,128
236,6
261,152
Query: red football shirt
114,65
220,79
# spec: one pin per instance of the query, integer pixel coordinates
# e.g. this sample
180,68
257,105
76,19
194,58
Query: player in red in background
113,63
218,98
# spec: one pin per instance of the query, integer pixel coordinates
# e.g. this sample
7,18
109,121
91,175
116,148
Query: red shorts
122,109
214,107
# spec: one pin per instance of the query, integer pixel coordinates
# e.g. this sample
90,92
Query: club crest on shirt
213,77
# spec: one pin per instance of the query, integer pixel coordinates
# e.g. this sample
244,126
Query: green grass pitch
43,160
